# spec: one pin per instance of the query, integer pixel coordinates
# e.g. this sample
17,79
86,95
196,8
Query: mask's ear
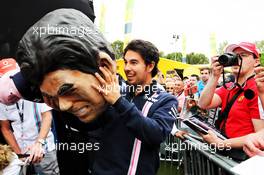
105,60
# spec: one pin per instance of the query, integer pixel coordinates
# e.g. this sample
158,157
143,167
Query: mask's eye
65,89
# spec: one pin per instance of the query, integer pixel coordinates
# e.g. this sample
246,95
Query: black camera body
228,59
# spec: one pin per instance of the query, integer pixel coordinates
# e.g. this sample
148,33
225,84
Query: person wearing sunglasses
242,117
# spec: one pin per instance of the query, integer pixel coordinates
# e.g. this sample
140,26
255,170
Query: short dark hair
76,50
148,52
197,77
205,68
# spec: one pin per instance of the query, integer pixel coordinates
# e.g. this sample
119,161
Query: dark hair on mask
147,50
39,55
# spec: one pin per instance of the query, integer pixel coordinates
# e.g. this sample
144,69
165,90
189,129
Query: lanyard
20,111
179,93
21,117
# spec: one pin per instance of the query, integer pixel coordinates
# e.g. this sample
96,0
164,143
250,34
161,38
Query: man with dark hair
194,79
205,72
148,52
76,74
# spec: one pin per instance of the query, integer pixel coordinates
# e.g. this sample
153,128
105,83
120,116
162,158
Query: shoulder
251,84
163,97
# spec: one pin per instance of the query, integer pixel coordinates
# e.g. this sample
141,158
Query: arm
36,149
9,136
258,124
254,143
45,124
259,78
237,142
151,129
211,138
208,98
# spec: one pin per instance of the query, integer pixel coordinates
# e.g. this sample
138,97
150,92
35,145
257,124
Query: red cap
250,47
7,65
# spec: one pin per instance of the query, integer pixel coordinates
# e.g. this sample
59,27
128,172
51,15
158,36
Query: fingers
107,74
37,157
105,60
100,90
248,152
259,70
251,150
108,80
214,59
180,134
36,153
217,68
100,79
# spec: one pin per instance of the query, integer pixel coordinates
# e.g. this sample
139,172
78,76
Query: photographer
243,116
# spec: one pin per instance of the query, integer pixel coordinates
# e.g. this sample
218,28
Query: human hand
109,86
36,152
180,134
253,144
259,78
212,138
216,67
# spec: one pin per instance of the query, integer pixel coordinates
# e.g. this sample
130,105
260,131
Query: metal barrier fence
195,156
204,161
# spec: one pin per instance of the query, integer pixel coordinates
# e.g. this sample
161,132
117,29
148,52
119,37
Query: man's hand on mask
109,85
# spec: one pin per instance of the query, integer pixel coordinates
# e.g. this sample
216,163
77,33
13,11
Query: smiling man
76,74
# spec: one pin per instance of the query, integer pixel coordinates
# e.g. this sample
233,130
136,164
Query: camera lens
228,59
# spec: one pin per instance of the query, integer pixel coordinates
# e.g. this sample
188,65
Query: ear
106,60
150,66
257,62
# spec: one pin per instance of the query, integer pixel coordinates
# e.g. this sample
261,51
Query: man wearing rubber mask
75,73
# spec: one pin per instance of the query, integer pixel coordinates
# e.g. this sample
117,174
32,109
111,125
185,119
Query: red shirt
239,121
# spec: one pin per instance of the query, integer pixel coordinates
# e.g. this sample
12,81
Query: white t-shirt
261,112
26,132
14,167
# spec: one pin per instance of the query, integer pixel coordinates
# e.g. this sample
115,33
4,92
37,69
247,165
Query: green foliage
262,59
196,58
118,48
260,45
162,54
176,56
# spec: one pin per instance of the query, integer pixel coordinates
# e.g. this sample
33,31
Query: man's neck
243,79
179,93
142,86
204,82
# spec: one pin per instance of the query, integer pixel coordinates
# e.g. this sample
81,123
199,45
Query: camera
228,59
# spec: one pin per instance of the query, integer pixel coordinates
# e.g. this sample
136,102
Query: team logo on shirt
174,112
241,98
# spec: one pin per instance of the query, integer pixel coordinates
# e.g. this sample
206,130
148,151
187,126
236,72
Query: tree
118,48
260,46
161,54
196,58
221,47
176,56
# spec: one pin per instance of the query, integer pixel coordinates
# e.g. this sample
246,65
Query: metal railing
199,159
196,157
